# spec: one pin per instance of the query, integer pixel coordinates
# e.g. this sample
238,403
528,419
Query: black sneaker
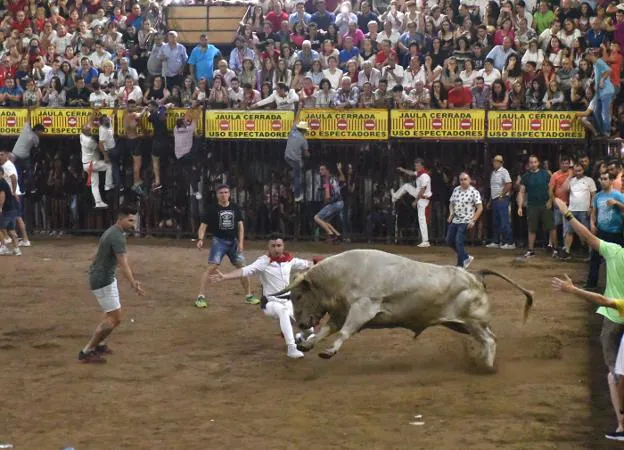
91,357
529,254
564,255
615,436
103,350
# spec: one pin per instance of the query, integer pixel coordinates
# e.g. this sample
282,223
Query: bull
361,289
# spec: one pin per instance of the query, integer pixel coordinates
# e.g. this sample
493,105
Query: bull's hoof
303,348
326,354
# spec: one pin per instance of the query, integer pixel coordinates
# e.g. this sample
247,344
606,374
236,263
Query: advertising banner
460,124
346,124
534,125
248,124
65,122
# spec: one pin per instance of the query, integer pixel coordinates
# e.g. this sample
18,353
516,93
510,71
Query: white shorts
619,361
108,297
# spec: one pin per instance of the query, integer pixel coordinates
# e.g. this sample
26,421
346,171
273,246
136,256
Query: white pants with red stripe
99,166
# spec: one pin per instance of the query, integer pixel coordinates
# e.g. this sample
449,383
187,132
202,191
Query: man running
225,221
274,272
111,251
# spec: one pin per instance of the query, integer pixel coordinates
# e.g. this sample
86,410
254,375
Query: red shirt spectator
276,19
459,96
16,5
20,22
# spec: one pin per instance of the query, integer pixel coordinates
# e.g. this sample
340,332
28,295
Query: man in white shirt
274,272
92,163
98,98
582,190
421,193
235,94
99,55
393,72
283,97
368,74
11,176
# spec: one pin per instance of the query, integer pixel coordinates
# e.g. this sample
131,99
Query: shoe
299,198
201,302
424,244
138,189
24,244
7,240
529,254
156,187
468,261
4,251
508,246
91,357
198,196
555,253
563,254
17,252
52,233
252,300
615,436
101,205
103,349
293,352
493,245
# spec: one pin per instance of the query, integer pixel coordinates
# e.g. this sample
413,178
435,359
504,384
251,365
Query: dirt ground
183,378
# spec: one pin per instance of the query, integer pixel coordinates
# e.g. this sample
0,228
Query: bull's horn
296,282
529,294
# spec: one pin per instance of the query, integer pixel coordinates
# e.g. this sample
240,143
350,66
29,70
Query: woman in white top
325,94
107,76
328,51
568,33
333,73
489,73
433,73
282,74
468,75
415,72
316,73
533,54
388,33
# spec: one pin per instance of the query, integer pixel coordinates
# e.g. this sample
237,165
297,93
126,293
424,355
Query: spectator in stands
175,56
283,97
129,92
238,55
459,96
347,95
224,72
307,56
78,96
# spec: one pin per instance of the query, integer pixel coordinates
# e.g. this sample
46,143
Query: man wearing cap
500,191
296,149
174,59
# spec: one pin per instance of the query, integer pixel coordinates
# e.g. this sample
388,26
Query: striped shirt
499,178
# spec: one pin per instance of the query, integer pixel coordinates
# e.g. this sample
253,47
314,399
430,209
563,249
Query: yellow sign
11,121
59,121
248,124
534,125
460,124
346,124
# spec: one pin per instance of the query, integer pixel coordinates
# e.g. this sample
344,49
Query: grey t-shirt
295,145
25,142
102,270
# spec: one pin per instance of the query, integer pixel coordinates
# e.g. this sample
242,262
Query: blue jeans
605,107
296,166
455,238
501,223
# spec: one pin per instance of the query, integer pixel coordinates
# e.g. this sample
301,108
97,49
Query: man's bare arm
577,226
122,259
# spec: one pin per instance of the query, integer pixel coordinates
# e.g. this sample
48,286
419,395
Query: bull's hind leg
484,336
361,311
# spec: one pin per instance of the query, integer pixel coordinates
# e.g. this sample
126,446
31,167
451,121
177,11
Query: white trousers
421,207
99,166
284,313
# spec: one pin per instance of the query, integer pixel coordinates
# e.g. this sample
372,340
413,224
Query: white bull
361,289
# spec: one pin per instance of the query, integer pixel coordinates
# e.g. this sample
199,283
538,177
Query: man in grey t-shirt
111,251
22,150
296,148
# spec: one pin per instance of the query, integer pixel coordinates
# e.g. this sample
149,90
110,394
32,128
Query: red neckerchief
286,257
420,172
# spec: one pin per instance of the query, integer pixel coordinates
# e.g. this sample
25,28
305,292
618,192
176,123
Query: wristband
568,216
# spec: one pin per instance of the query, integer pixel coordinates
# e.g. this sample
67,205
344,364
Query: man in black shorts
131,120
160,140
225,221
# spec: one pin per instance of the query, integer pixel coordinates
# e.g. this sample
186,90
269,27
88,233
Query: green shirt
102,270
543,21
536,184
614,256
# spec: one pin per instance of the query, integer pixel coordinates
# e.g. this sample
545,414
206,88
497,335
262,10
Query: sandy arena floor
183,378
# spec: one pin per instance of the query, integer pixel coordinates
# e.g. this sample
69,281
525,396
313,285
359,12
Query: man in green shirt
534,187
613,323
111,251
543,17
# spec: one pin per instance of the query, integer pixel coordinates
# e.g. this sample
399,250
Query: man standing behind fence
296,148
421,192
500,188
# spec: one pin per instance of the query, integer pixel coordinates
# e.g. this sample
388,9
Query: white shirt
100,100
581,190
410,79
107,137
286,102
424,181
88,146
97,60
9,170
498,179
274,276
491,78
398,71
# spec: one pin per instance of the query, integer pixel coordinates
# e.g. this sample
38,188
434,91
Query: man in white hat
296,148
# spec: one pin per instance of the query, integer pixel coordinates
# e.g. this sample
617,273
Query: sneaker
198,196
103,349
299,198
529,254
563,254
252,300
101,205
615,436
493,245
201,302
24,244
4,251
293,352
17,252
7,240
468,261
91,357
156,187
508,246
138,189
424,244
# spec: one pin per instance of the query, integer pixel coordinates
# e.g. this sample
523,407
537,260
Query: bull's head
307,301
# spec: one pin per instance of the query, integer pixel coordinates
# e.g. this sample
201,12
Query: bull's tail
529,294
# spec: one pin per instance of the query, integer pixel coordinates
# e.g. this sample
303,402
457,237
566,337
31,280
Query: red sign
224,125
47,121
315,124
409,123
465,123
276,125
250,125
506,124
369,124
72,122
536,124
436,123
565,124
11,122
341,124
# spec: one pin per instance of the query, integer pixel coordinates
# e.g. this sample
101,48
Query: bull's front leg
360,312
326,330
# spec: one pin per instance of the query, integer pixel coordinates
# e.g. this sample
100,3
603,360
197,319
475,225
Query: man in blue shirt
348,52
606,223
175,57
500,53
202,58
87,72
322,17
11,94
